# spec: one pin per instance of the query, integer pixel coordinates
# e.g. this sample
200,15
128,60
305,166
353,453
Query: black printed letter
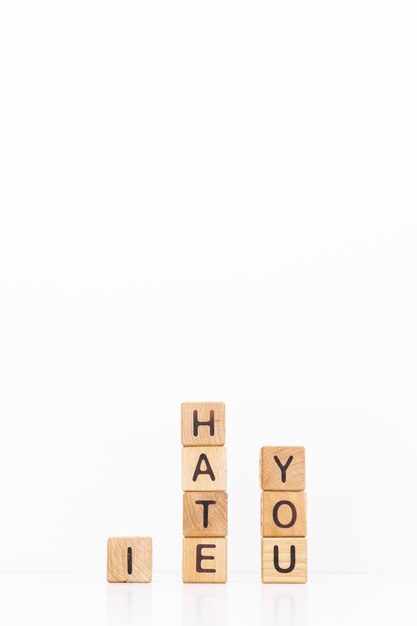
293,511
200,557
283,468
284,570
196,423
129,561
208,469
206,504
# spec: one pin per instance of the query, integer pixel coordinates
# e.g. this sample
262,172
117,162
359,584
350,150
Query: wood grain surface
205,514
194,552
273,477
210,459
283,514
211,434
269,571
138,559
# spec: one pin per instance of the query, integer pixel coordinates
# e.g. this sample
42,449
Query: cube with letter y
282,468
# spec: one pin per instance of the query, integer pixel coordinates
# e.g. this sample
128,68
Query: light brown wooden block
204,560
129,560
284,560
205,514
283,514
203,423
282,468
204,469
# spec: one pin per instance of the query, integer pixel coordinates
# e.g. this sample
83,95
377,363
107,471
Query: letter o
293,511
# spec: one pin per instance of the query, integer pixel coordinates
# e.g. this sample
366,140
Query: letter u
284,570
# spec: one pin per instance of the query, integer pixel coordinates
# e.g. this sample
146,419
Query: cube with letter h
205,498
283,514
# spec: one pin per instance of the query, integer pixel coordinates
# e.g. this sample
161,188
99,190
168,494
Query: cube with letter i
129,560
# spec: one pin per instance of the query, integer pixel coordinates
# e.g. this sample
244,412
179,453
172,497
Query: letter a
199,471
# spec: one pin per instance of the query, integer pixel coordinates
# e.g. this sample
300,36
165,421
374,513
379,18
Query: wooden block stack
204,554
283,514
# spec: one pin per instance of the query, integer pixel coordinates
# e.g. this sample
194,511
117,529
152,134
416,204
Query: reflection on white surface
129,604
284,605
78,599
205,605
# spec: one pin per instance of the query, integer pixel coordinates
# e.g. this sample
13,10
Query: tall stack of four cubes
283,514
204,554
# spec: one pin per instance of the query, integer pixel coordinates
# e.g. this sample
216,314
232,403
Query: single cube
204,560
283,514
129,560
205,514
284,560
204,469
282,468
203,423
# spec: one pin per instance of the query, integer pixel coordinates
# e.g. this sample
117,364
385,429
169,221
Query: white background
207,201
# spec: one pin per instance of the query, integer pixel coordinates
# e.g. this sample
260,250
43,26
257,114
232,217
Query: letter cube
282,468
129,560
205,514
283,514
204,560
204,468
203,423
284,560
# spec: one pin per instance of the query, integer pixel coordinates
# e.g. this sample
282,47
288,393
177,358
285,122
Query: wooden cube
205,514
283,514
204,560
284,560
282,468
203,423
129,560
204,469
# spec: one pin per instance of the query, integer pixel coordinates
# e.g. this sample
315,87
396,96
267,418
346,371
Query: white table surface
86,598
